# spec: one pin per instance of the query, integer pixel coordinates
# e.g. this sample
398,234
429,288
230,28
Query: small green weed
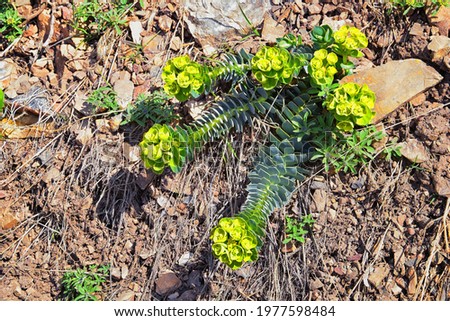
345,151
92,18
10,22
82,284
297,229
392,150
152,106
104,99
408,5
2,101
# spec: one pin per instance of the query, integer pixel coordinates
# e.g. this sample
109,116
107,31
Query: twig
51,26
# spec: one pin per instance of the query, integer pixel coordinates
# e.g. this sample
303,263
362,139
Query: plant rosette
351,104
184,78
322,68
272,66
347,42
163,146
234,242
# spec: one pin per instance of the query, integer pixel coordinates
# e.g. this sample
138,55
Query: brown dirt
379,235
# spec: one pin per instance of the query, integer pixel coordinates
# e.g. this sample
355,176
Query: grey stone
216,22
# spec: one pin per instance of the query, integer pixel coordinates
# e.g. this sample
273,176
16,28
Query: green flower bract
351,104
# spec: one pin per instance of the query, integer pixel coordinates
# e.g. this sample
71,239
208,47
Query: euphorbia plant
292,85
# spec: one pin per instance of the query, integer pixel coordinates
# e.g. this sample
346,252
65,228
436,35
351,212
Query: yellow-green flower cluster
348,40
272,66
322,68
234,242
351,104
161,147
183,77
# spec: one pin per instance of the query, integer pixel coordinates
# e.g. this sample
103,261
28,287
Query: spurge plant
294,87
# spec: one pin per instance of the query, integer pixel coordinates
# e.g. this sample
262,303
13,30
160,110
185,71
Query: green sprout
93,18
10,21
2,100
104,99
434,5
297,229
153,106
83,284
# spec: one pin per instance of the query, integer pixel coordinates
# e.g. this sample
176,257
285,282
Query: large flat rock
216,22
396,82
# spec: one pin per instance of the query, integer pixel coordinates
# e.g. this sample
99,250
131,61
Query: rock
318,185
167,283
144,179
125,272
184,259
136,28
334,24
52,175
176,44
165,23
195,279
315,8
414,151
173,296
416,30
328,7
151,45
189,295
124,89
396,290
115,273
440,51
316,284
82,105
441,185
215,22
418,100
8,71
162,201
379,274
176,185
320,199
442,20
272,30
84,136
145,254
413,74
126,296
